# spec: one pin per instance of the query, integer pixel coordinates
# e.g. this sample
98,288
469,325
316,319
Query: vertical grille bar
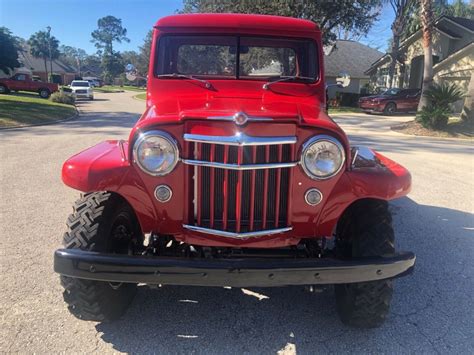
211,188
265,189
238,192
290,179
197,153
225,189
278,188
252,190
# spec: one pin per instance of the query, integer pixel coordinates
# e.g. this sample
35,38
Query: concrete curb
70,118
136,98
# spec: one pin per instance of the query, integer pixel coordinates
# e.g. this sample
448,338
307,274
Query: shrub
433,117
440,98
63,98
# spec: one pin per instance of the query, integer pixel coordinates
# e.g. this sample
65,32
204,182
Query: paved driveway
432,310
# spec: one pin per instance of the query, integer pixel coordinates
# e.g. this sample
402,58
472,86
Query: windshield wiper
266,86
206,83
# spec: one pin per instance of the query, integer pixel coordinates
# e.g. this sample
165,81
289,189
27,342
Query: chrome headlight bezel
324,138
163,135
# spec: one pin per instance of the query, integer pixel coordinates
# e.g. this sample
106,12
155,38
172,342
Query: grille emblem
240,118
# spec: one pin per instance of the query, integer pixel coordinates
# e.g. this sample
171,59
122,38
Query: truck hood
173,109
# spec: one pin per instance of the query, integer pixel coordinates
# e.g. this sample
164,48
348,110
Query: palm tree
427,28
402,10
42,45
39,48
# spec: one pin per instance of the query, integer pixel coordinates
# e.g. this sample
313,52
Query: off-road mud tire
89,228
365,230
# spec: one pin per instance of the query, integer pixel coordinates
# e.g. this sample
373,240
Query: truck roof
279,24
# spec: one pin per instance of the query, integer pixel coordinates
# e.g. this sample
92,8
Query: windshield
391,92
236,57
80,83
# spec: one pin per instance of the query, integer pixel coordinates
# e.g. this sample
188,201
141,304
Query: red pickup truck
24,82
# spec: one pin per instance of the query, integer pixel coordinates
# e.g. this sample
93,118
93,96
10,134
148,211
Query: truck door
19,82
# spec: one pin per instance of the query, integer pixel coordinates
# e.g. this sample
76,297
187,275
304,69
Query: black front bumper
245,272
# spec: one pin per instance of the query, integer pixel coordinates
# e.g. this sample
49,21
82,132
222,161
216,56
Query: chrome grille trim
240,139
239,167
232,118
245,235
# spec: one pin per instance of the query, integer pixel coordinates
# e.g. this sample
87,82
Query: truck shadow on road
175,319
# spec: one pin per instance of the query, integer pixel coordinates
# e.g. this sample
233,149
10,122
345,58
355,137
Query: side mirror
343,80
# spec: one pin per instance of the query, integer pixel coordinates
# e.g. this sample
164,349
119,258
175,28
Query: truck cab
234,176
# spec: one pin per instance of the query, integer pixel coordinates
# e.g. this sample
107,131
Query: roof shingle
351,57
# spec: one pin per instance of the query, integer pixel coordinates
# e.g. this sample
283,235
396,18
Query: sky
72,21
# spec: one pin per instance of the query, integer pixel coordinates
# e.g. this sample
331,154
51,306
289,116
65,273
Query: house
453,57
63,73
353,58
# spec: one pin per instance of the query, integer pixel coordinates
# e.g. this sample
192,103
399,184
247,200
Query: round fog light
313,197
163,193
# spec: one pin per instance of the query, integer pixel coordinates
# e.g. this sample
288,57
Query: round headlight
322,157
156,153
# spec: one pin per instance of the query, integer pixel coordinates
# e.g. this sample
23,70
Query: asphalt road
432,309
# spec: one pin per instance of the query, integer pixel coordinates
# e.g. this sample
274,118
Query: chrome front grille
241,184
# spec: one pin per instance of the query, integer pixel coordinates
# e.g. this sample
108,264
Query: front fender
372,175
106,167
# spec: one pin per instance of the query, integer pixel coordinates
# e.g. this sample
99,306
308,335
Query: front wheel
101,222
4,89
365,230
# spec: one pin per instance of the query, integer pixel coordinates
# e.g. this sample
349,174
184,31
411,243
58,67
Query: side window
20,77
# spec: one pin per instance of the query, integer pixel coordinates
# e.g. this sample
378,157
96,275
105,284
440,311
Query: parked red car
24,82
391,101
233,176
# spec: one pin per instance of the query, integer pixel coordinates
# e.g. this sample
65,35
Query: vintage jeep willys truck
234,176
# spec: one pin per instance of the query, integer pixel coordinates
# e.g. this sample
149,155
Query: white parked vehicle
82,88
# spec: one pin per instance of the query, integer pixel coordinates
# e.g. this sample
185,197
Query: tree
427,28
43,45
402,10
109,30
112,65
461,9
9,48
458,8
73,56
130,57
144,54
354,16
467,113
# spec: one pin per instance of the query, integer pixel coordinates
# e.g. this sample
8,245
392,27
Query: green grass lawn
141,96
113,88
133,88
23,110
333,110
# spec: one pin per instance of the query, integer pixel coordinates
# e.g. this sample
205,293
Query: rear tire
101,222
365,230
390,109
44,93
